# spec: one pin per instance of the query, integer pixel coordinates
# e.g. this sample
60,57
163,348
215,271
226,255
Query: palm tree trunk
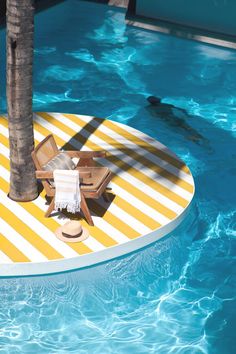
20,31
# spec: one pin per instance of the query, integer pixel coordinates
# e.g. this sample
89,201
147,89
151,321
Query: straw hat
72,231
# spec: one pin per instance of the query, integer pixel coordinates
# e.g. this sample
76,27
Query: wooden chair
97,177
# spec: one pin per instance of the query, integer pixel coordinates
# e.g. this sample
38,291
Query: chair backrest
45,151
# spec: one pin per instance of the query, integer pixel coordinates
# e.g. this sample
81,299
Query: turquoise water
178,295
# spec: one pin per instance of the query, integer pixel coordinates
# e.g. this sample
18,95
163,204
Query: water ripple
177,296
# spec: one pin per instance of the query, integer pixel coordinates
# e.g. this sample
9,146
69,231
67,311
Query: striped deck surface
151,190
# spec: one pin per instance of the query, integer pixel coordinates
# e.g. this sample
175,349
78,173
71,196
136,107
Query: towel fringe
71,207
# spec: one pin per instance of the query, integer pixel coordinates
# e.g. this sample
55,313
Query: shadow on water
210,156
175,117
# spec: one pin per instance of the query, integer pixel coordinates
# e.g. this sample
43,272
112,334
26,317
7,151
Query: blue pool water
178,295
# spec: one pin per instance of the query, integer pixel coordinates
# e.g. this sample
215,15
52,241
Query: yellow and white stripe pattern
151,189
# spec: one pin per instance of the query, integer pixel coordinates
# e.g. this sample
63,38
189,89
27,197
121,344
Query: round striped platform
151,191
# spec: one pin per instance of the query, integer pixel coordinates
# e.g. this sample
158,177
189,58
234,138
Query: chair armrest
44,174
86,154
49,174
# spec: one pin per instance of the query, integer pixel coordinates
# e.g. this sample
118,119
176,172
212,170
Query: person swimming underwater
174,116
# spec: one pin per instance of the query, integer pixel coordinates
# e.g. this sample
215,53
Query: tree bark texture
20,31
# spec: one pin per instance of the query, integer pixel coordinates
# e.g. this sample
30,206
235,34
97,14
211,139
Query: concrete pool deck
151,190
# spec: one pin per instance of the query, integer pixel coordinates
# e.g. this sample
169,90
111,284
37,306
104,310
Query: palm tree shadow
83,134
122,158
141,162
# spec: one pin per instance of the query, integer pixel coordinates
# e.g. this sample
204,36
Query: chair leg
106,197
50,208
85,210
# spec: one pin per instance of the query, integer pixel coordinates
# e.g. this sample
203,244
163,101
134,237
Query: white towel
67,194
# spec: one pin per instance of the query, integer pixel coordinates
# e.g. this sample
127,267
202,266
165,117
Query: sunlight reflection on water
177,296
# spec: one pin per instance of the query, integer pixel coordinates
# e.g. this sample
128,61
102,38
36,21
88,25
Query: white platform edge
91,259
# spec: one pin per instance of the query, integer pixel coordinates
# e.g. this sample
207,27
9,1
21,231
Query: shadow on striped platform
151,191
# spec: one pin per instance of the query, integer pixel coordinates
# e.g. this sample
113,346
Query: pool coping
181,31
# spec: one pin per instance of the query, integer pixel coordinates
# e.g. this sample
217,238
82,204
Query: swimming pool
177,296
